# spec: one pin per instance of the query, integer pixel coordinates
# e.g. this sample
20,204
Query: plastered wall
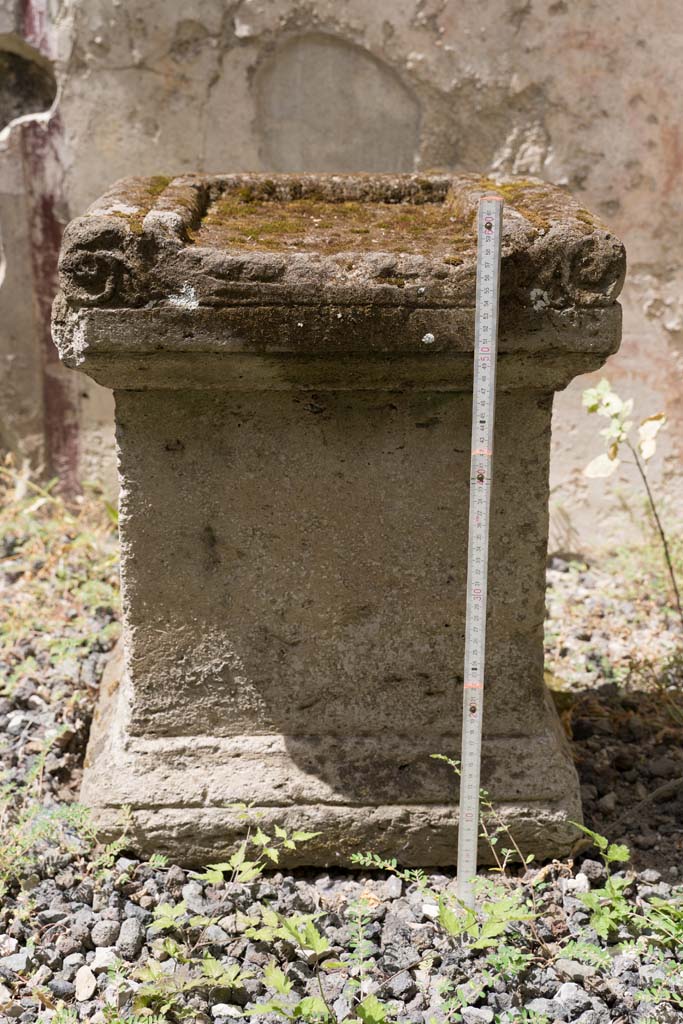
585,94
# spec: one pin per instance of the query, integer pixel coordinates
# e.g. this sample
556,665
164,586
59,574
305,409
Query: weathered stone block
292,361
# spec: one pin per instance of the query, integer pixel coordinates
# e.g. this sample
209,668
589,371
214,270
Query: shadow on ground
628,750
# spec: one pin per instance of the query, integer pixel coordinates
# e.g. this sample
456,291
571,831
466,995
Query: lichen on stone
538,202
136,198
241,220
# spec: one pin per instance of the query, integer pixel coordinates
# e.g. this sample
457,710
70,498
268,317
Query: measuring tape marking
489,224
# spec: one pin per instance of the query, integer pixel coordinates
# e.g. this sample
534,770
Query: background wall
586,94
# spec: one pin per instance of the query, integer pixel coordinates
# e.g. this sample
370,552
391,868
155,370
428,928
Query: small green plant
494,828
586,953
657,923
163,991
168,917
498,910
508,962
108,854
605,402
28,828
531,1016
358,963
112,512
608,905
311,1008
667,986
300,931
455,998
664,921
65,1015
297,929
610,853
240,868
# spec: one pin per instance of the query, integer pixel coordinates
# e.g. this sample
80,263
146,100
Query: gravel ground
614,660
81,929
77,923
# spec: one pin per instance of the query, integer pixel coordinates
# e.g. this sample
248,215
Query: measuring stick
490,226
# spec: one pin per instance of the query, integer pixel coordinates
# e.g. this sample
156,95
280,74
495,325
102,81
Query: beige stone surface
377,115
293,402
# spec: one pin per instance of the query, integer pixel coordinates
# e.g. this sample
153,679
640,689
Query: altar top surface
223,240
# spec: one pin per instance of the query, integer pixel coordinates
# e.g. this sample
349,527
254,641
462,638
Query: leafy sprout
605,402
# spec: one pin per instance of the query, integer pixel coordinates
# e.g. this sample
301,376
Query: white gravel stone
430,911
478,1015
392,888
582,883
105,957
18,962
225,1010
86,984
8,945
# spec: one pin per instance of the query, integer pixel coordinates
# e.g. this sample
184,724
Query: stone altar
292,363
